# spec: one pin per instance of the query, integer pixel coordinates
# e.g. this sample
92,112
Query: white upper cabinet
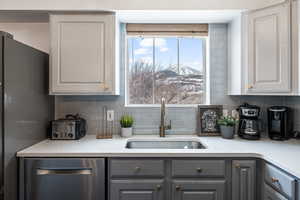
268,50
265,48
82,55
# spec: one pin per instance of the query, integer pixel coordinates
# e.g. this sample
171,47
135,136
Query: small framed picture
207,120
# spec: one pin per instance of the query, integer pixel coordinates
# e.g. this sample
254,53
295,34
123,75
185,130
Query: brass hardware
274,180
106,87
137,169
163,127
158,187
250,87
199,170
237,166
177,187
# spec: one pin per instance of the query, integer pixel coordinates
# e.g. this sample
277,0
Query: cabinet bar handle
177,187
64,171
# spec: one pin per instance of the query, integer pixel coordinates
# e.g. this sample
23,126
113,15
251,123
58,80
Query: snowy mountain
184,70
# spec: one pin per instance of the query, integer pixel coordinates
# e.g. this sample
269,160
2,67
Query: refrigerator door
27,106
1,109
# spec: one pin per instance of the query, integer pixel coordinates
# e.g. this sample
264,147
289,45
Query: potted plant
227,126
126,125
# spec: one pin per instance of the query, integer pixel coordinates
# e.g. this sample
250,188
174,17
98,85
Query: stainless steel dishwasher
64,179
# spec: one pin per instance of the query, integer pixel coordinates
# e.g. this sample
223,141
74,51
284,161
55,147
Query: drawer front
137,189
198,168
136,168
271,194
279,180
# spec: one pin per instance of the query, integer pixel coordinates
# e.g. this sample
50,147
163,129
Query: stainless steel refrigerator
25,105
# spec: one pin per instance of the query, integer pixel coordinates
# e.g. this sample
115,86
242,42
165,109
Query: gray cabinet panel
196,190
271,194
137,190
198,168
136,168
298,191
280,181
243,180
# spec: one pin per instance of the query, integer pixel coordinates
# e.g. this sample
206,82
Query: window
173,67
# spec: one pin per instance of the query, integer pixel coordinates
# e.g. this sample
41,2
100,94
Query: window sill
158,106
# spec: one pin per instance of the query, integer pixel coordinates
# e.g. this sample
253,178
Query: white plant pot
126,132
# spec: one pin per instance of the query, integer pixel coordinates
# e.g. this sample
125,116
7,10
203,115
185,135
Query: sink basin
159,144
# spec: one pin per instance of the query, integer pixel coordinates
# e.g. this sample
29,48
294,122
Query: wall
133,4
32,34
183,119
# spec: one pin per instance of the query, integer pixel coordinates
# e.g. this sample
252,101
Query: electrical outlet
225,113
235,114
110,115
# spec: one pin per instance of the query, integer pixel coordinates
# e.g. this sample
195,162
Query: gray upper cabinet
82,54
198,189
268,50
137,190
243,180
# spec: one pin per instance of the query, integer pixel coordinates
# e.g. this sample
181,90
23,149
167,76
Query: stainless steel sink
154,144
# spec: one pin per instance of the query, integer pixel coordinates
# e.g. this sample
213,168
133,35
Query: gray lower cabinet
280,181
198,189
271,194
137,190
298,191
243,180
168,179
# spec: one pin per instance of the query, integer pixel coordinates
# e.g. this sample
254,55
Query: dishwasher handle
83,171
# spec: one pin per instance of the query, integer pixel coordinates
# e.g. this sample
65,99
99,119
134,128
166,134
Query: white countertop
284,154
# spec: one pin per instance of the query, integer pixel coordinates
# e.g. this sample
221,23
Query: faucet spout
163,127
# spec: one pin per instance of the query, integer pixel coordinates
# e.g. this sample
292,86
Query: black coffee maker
249,123
279,123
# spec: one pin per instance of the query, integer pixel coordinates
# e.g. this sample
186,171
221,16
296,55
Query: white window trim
207,79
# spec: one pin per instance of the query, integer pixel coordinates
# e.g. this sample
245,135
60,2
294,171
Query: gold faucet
163,127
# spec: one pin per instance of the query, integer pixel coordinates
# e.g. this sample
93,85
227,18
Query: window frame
206,67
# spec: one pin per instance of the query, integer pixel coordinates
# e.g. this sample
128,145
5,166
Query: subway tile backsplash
183,119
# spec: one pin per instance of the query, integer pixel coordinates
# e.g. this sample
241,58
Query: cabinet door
137,190
243,180
268,50
194,190
82,54
271,194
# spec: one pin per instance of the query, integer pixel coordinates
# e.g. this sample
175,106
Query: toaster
72,127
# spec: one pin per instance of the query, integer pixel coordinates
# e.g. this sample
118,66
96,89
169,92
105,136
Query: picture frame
207,120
